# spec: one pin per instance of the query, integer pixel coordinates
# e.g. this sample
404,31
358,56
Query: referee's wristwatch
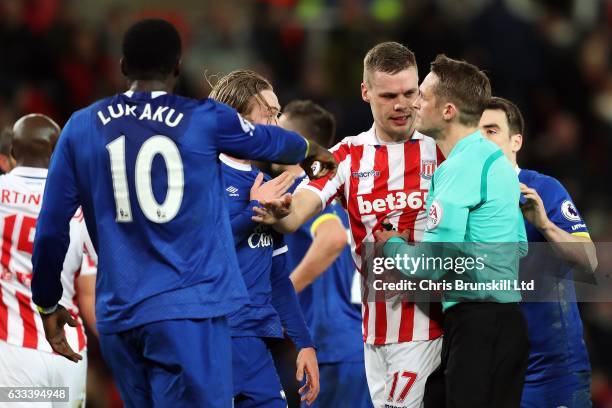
46,310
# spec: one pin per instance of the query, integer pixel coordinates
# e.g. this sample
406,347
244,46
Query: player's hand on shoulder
271,189
533,208
53,324
308,369
272,211
319,163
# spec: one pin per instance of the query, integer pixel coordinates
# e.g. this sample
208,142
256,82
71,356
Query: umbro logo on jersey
365,174
233,191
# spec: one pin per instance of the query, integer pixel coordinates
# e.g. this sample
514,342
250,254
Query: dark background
551,57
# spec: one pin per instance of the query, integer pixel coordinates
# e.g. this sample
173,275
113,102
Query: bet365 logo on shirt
394,200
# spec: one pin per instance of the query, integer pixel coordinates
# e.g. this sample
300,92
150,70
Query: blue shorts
256,382
343,385
177,363
571,391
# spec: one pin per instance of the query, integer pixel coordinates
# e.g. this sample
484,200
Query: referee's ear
516,142
449,111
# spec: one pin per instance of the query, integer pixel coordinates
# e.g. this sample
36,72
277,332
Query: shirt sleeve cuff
391,245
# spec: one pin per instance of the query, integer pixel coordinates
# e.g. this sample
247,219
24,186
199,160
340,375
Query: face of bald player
266,108
391,97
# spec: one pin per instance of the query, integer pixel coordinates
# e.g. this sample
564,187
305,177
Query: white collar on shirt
233,163
154,94
24,171
369,137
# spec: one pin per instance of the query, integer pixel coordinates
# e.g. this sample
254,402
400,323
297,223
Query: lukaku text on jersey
144,166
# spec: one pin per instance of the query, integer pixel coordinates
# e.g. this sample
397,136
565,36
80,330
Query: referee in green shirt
473,207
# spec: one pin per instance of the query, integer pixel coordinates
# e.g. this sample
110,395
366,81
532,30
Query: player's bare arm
329,240
308,369
564,243
87,300
288,213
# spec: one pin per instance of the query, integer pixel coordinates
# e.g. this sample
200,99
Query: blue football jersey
144,167
331,304
261,255
556,340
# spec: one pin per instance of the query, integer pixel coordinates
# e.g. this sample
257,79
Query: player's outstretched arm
329,240
240,138
60,202
287,214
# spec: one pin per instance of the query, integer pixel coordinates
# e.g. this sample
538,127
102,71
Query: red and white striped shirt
375,179
21,193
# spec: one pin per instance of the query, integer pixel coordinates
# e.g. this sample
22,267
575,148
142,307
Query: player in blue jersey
325,277
558,374
144,167
262,259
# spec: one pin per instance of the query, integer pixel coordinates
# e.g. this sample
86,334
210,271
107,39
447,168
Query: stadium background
552,57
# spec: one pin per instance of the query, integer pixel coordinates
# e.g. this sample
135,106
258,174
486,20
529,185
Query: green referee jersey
473,208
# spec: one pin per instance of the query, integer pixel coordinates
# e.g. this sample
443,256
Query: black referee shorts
484,357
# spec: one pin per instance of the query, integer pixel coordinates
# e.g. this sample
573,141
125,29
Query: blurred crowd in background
551,57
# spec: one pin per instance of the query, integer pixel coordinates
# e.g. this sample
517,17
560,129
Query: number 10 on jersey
154,211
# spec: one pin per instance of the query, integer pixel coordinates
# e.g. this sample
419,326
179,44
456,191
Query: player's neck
453,135
384,137
513,161
153,85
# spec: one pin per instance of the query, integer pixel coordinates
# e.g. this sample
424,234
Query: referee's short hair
516,123
463,85
151,50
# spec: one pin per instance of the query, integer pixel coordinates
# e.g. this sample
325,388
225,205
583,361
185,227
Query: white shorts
397,372
24,367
